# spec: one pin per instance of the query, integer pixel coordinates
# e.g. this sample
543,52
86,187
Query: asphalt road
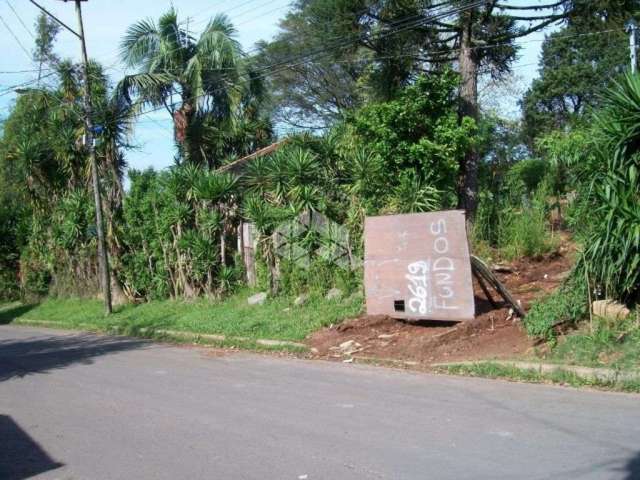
77,406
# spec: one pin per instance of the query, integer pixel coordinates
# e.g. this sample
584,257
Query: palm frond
69,81
152,88
141,42
193,75
217,45
172,53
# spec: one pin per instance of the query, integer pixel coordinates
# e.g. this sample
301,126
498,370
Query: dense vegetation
396,126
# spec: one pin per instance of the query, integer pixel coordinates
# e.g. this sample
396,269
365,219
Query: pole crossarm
56,19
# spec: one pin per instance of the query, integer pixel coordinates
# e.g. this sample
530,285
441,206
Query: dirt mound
494,333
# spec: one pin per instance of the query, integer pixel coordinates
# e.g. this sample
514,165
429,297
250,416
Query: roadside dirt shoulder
495,333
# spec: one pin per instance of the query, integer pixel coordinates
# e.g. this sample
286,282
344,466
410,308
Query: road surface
78,406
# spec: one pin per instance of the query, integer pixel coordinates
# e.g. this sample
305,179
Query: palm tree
202,83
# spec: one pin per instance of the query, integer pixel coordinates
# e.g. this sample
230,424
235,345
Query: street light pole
103,260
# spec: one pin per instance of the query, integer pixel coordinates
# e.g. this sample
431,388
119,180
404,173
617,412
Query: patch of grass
232,317
613,344
509,230
560,376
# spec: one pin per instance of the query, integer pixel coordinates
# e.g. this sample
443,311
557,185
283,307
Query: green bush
612,252
513,212
525,233
319,277
568,304
515,230
418,131
9,289
526,175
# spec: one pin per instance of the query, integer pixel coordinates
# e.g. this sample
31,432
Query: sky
106,21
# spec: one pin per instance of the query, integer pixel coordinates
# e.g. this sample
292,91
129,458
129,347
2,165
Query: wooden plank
482,270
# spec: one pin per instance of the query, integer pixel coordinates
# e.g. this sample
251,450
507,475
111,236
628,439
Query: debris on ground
495,333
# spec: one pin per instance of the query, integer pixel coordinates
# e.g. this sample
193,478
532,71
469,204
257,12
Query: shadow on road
9,313
20,456
21,357
632,468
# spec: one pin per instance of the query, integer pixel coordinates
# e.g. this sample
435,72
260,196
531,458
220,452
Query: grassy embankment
560,376
240,323
605,344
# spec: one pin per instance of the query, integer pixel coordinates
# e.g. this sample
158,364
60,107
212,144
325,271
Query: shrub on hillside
568,304
612,249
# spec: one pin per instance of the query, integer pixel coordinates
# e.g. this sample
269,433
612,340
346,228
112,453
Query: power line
418,17
20,19
252,50
288,5
12,88
283,65
412,55
417,56
56,19
240,5
12,72
188,20
404,24
24,49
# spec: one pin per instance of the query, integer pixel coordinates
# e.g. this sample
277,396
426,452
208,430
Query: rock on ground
349,347
257,299
610,309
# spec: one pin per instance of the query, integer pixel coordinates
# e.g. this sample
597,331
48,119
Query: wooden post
248,253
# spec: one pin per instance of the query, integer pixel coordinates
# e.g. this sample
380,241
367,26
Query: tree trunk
248,252
468,58
118,297
112,207
182,119
223,248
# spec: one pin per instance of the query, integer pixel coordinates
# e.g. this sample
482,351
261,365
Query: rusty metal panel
417,266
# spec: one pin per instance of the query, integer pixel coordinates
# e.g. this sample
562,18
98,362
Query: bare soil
495,333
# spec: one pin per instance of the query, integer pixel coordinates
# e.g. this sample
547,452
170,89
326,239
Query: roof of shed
239,164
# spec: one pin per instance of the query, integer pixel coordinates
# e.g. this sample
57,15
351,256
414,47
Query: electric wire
264,72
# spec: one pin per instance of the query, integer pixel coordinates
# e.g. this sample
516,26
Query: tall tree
333,55
203,83
41,151
397,40
485,37
46,33
576,65
391,43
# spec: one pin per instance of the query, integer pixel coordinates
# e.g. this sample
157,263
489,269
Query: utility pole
632,28
103,260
